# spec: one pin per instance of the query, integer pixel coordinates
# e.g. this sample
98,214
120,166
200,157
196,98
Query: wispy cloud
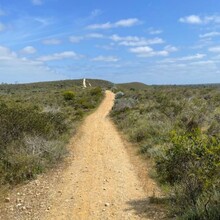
134,41
203,62
105,59
197,56
116,37
142,42
59,56
76,39
148,52
215,49
22,69
153,31
121,23
196,19
210,34
52,41
170,48
191,19
105,47
6,53
95,35
126,22
43,21
37,2
28,50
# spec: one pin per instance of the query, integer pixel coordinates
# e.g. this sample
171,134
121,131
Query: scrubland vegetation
36,122
179,128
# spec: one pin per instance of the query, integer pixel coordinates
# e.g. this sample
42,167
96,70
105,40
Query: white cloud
195,19
6,53
203,62
107,25
170,48
29,50
76,39
59,56
95,35
153,31
44,21
134,41
106,59
2,27
127,22
105,47
197,56
148,52
211,19
142,42
121,23
191,19
192,57
37,2
115,37
210,34
52,41
14,68
215,49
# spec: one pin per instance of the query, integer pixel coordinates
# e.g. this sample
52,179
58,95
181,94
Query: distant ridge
74,82
132,85
60,84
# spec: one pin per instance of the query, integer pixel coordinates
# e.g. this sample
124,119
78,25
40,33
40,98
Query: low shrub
69,95
119,95
191,165
178,127
33,137
124,104
97,91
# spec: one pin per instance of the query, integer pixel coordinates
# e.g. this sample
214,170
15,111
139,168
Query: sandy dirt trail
98,183
101,181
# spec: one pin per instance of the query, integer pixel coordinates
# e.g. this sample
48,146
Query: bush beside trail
36,126
178,127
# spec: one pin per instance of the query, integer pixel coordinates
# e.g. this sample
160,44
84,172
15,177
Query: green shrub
35,126
23,160
192,165
187,160
19,161
124,104
97,91
119,95
69,95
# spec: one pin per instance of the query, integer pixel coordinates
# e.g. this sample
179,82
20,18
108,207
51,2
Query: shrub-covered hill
132,86
63,84
36,122
179,128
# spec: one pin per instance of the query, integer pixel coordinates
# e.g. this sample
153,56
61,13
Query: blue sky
152,41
